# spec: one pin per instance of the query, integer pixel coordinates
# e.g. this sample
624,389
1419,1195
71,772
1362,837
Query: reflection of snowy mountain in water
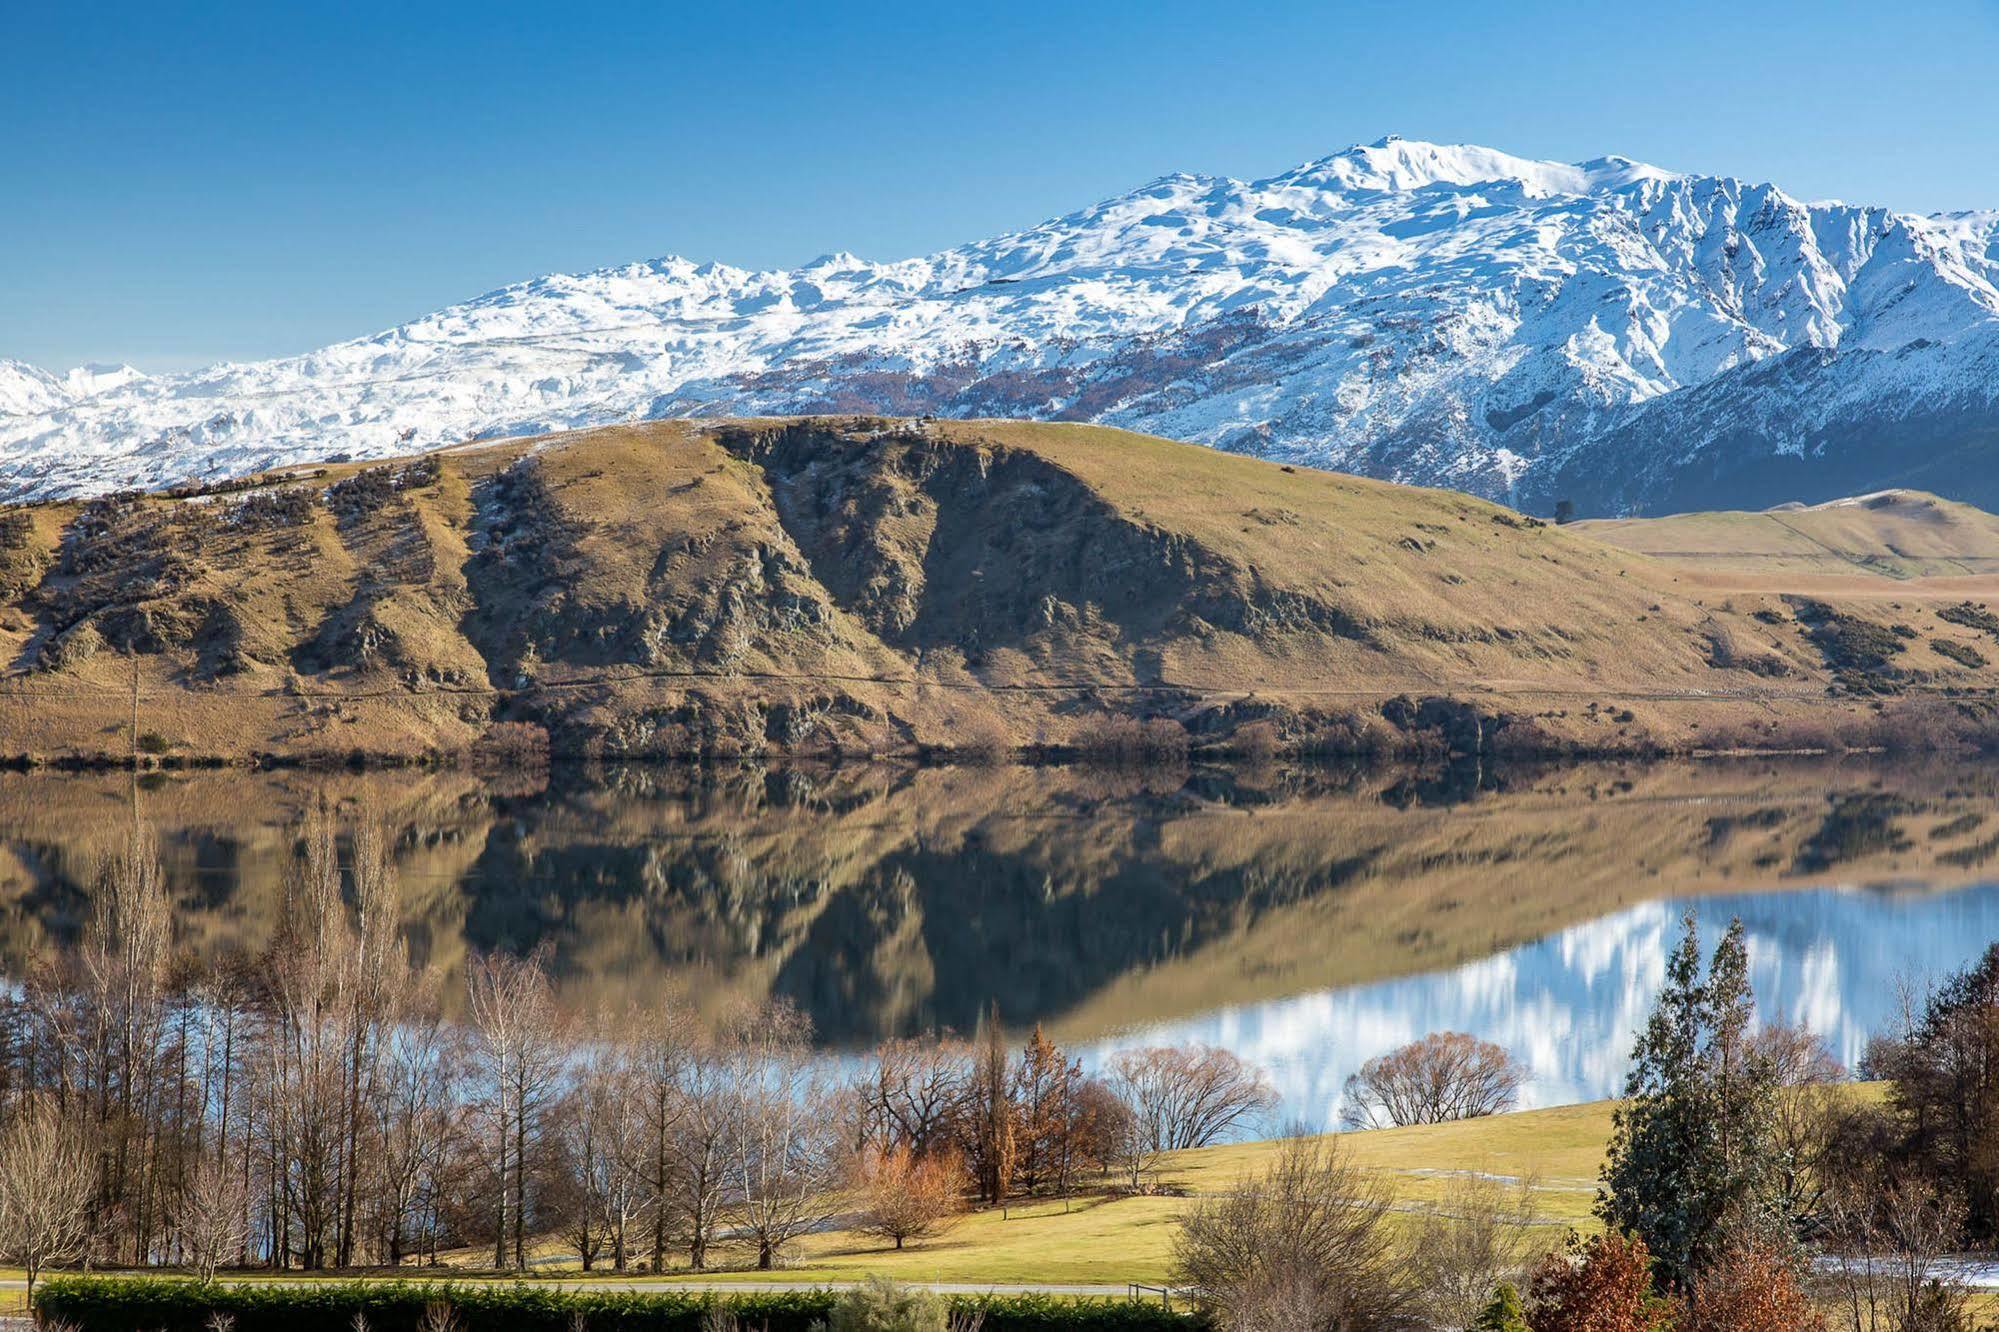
1570,1004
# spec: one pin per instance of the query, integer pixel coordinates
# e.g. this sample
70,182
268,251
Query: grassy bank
1111,1240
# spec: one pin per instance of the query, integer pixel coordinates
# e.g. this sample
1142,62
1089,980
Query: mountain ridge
1610,332
865,586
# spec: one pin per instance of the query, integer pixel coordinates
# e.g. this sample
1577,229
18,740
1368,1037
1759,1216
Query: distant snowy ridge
1607,331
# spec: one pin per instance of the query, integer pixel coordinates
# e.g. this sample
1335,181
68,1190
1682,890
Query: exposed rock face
866,586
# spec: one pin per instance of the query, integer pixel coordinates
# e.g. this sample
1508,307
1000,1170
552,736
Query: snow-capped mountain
1608,331
26,391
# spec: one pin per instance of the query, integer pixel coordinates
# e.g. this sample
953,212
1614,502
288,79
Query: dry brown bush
981,739
512,745
1159,742
1303,1247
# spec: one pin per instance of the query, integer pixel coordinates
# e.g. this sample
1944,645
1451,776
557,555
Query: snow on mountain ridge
1437,313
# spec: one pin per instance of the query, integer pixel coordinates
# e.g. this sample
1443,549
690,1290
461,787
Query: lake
1305,918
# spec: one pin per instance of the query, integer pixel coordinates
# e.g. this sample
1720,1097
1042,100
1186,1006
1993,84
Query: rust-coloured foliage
1603,1284
1751,1289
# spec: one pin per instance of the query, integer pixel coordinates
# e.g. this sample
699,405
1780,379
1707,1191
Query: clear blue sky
181,183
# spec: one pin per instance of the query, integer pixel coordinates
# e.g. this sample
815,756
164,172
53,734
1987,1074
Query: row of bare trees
312,1107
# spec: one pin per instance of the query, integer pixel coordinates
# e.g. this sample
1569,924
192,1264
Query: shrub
1972,615
882,1305
118,1304
287,506
1962,653
1160,742
1305,1245
1505,1313
16,526
512,745
1258,742
981,740
1752,1289
1602,1285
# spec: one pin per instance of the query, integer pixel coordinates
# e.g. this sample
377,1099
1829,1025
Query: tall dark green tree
1945,1089
1689,1167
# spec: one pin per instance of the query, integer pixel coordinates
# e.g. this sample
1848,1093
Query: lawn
1111,1241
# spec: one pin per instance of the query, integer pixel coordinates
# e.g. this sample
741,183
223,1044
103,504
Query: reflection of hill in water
896,899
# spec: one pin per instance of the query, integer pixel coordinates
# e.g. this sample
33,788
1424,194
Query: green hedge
164,1304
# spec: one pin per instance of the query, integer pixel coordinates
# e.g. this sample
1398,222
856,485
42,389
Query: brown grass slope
1900,534
862,585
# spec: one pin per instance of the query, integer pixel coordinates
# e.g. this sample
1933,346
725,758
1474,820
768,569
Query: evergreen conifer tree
1504,1314
1687,1169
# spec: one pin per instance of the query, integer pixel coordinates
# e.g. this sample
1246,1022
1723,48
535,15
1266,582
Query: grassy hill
866,586
1110,1240
1899,534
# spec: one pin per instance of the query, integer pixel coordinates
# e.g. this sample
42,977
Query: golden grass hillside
869,586
1106,1239
1898,534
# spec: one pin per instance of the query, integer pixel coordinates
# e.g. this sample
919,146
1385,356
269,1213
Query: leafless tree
913,1093
1808,1116
1303,1247
212,1219
1888,1246
1479,1233
1179,1098
784,1160
46,1180
309,1037
663,1044
512,1006
703,1127
418,1121
1442,1077
610,1139
123,965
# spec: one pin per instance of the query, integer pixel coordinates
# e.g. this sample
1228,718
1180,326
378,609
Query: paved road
619,1285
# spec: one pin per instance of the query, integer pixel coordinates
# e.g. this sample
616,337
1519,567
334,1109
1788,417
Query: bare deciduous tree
1179,1098
703,1123
784,1163
212,1219
1303,1247
1888,1246
1442,1077
46,1179
914,1094
1479,1234
513,1008
1807,1115
610,1140
662,1047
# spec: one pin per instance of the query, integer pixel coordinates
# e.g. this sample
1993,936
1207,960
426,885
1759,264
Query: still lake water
1305,919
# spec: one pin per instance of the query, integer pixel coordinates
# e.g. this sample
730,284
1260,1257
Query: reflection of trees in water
901,900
